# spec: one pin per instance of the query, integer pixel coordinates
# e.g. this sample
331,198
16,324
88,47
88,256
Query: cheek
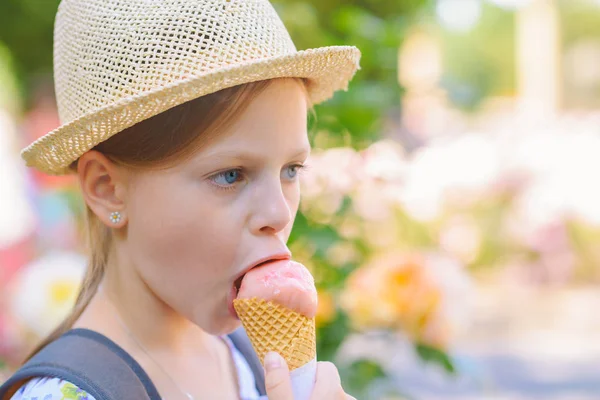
179,239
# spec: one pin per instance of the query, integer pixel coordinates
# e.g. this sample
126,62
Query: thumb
277,378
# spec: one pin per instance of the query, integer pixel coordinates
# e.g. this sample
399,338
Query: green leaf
358,376
331,335
436,356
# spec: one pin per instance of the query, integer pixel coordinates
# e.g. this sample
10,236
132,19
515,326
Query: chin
222,326
227,328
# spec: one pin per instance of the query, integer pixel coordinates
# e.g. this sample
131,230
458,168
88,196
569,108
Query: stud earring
115,217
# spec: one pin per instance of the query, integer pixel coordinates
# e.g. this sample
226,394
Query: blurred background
451,215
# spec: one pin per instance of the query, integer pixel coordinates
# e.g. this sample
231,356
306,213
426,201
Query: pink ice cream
285,282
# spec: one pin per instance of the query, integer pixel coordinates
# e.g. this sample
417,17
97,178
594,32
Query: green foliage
579,20
433,355
26,28
480,62
366,380
376,27
331,335
9,95
359,375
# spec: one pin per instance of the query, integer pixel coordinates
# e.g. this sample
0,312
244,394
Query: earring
115,217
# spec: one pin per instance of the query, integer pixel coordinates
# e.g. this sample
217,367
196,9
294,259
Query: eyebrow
249,156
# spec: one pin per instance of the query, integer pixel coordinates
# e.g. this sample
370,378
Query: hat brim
328,69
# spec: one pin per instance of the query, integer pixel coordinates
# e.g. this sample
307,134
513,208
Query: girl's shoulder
48,388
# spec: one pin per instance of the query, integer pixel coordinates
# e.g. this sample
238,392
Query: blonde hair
157,142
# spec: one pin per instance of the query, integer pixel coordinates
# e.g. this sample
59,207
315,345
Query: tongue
287,283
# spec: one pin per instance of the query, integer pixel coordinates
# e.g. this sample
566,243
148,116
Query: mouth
233,294
237,283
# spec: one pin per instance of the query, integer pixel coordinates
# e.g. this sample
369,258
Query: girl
185,123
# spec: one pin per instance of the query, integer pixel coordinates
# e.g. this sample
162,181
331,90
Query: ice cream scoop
284,282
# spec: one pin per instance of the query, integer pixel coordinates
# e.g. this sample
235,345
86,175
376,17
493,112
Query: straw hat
117,63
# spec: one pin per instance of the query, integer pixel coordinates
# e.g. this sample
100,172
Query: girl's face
192,229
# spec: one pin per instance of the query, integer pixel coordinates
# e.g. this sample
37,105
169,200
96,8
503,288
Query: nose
271,211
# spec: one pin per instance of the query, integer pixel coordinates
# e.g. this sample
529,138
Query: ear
103,187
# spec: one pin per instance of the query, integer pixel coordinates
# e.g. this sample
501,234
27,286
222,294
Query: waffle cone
272,327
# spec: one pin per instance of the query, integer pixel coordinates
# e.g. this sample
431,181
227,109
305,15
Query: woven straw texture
272,327
119,62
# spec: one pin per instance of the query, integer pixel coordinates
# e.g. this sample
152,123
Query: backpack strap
242,343
80,356
90,361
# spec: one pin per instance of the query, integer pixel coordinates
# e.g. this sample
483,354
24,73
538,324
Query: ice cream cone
272,327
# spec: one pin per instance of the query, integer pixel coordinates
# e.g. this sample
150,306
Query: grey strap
104,370
80,356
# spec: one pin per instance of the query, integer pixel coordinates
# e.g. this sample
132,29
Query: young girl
186,124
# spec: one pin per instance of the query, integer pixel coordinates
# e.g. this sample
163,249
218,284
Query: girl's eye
294,170
226,180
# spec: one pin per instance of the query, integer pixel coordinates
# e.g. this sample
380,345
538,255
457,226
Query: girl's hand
279,385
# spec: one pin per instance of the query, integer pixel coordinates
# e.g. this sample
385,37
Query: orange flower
394,292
